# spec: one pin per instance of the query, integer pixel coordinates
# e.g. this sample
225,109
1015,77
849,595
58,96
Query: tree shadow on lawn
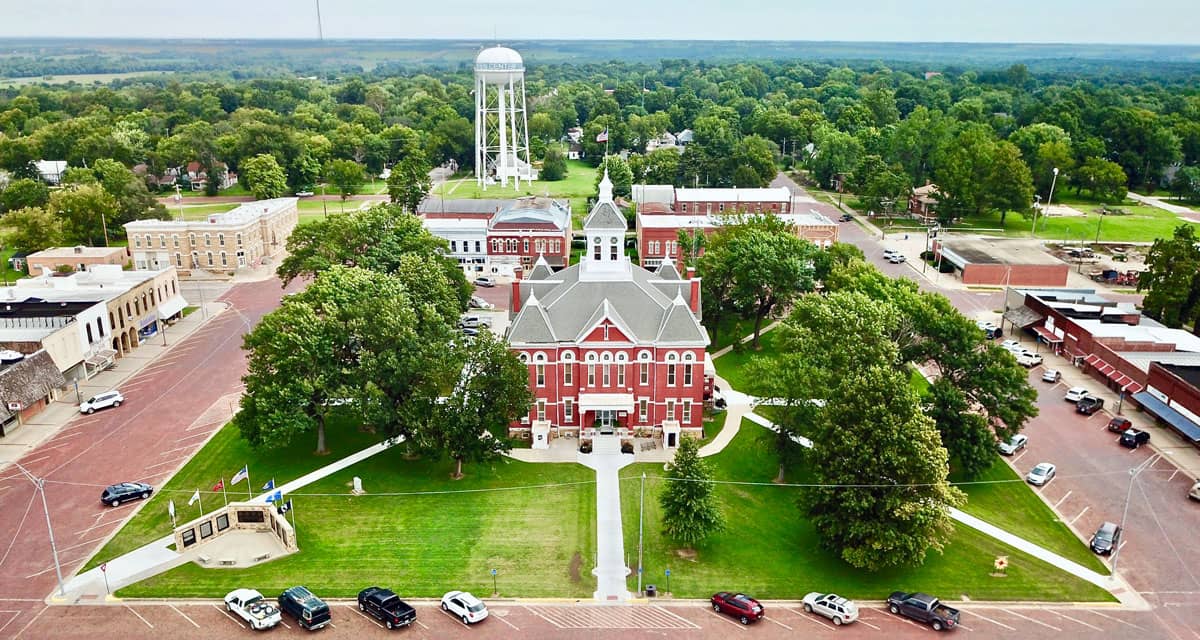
769,548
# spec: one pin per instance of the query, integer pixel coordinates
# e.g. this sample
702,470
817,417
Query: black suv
1089,405
1106,538
310,611
1133,438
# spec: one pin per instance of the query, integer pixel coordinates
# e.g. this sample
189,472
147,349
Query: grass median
770,550
416,530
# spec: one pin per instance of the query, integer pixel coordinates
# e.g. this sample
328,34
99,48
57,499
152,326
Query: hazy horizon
1066,22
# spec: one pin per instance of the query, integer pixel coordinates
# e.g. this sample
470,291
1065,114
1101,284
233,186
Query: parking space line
999,624
1060,500
1048,626
809,617
15,614
284,623
679,617
905,620
452,617
501,619
1075,620
864,621
184,616
770,619
1072,520
1173,475
231,618
416,621
542,617
33,620
1115,619
724,619
139,616
354,608
1020,455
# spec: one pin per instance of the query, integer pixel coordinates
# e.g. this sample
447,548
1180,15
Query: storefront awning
1023,316
1047,335
1178,421
1123,382
606,402
171,306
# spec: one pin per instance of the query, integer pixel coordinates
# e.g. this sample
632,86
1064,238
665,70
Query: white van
102,401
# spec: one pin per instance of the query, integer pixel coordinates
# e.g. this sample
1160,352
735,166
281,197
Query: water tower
501,125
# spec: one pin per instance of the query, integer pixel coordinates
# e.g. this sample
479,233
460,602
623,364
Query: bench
203,559
228,562
262,556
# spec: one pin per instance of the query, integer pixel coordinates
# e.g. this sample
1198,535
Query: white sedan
251,606
1014,444
1051,375
465,606
1041,474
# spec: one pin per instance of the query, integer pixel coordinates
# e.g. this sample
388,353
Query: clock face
596,241
612,240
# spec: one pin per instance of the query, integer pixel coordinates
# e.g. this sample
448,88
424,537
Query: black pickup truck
386,606
923,607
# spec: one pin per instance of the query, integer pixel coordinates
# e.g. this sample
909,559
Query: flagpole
224,495
200,501
249,487
291,509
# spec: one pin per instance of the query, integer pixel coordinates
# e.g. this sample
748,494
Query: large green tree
314,354
88,213
768,266
471,423
32,229
1172,278
23,192
346,176
690,510
409,183
264,177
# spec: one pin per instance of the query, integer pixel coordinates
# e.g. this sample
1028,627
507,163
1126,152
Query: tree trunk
458,474
759,314
779,478
321,448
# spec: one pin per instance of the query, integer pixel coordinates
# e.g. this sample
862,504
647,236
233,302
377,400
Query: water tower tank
495,64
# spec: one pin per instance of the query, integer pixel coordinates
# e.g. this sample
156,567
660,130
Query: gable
607,331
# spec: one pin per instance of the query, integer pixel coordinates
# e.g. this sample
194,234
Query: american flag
602,136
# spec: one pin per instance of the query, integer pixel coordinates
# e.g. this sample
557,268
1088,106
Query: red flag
220,485
104,567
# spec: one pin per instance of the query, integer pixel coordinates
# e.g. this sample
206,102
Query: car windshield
477,607
1104,535
1042,469
252,600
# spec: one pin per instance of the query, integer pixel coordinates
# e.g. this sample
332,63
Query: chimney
515,294
694,298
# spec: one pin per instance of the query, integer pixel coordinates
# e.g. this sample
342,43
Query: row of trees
374,337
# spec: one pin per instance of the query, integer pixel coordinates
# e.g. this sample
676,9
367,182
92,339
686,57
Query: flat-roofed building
77,258
500,235
252,233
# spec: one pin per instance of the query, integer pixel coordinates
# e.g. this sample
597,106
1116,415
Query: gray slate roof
565,307
605,216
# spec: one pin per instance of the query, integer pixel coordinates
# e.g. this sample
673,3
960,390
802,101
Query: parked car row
312,613
918,606
893,256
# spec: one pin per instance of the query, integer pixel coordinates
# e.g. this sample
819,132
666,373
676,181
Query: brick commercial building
611,347
86,320
663,211
497,236
251,234
1001,262
28,383
1172,396
77,258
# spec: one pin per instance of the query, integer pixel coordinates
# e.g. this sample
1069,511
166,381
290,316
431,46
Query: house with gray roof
613,350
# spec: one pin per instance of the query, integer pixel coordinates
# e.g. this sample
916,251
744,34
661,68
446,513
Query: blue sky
1087,21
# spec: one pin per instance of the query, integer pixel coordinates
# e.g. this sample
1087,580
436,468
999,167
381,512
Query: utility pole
1033,232
40,485
641,514
1133,474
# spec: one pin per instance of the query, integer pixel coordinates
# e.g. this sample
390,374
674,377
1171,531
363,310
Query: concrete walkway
1159,203
157,557
606,459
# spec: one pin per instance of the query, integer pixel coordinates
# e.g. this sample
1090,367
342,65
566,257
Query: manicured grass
732,365
768,548
1002,498
918,381
1142,223
729,329
577,186
541,540
187,311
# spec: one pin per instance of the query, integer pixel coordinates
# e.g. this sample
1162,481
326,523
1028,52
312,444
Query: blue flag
275,497
269,485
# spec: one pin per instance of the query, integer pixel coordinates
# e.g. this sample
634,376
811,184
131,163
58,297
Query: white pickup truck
251,606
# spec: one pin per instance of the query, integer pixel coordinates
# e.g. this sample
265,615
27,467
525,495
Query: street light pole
40,485
1133,474
641,514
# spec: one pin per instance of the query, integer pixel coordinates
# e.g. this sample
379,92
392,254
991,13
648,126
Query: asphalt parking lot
556,620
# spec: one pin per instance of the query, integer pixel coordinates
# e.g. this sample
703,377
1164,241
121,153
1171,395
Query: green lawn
1142,223
918,381
541,540
770,550
1002,498
577,186
732,365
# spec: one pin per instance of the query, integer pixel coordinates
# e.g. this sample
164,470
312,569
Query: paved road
554,621
171,408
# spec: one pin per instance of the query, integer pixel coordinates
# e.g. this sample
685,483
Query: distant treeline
254,58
